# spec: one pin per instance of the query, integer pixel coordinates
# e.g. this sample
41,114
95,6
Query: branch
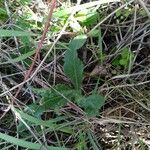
40,44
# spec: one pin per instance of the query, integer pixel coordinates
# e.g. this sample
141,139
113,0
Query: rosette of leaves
58,96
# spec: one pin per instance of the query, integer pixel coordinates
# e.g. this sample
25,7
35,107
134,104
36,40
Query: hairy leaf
77,42
53,98
73,67
57,96
92,104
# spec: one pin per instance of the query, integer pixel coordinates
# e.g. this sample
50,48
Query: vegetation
74,75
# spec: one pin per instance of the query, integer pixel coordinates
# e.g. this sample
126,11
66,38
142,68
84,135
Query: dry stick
40,44
43,60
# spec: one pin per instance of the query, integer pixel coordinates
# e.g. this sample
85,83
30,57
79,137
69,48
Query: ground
85,84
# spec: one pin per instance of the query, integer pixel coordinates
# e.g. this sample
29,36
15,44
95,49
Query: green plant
66,115
124,58
28,51
3,12
58,96
25,144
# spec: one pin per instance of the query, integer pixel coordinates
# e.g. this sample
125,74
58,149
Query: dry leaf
99,70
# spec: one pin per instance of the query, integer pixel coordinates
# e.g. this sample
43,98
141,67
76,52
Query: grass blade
51,124
23,143
9,33
20,58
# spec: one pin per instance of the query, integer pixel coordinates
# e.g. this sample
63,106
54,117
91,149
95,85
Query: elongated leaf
51,124
92,104
20,58
77,42
95,147
62,13
37,121
2,11
26,144
73,67
9,33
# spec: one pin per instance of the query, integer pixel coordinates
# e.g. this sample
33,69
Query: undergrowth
88,88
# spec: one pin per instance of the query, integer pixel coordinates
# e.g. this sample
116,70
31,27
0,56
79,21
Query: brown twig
40,44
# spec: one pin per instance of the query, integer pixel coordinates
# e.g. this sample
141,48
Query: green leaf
82,143
53,102
51,124
33,109
25,2
123,62
26,144
73,67
77,42
118,13
124,58
94,33
9,33
91,19
37,121
125,53
3,13
20,58
55,98
61,13
92,104
94,144
87,17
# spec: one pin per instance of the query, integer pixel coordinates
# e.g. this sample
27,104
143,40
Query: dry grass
124,122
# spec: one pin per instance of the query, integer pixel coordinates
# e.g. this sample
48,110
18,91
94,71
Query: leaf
26,144
91,19
33,109
73,67
124,58
9,33
82,143
92,104
125,53
87,17
99,70
77,42
61,13
123,62
54,102
94,33
3,13
91,139
25,2
20,58
51,124
55,98
88,5
37,121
